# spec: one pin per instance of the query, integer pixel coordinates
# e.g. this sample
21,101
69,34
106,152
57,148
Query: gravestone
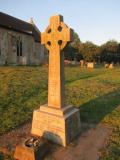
111,65
56,121
31,149
90,65
82,63
106,65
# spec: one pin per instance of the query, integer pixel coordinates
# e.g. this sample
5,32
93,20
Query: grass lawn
96,92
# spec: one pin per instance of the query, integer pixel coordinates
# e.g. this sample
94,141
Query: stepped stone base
58,125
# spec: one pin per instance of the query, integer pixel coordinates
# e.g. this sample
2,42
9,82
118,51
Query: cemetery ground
95,91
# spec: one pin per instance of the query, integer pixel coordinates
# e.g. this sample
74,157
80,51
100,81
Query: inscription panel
53,89
46,122
58,129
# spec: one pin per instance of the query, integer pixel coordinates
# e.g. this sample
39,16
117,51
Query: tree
109,51
89,51
72,49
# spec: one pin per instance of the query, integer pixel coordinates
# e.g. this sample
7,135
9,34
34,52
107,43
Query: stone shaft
55,39
56,79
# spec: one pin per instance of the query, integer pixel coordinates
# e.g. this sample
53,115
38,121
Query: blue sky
93,20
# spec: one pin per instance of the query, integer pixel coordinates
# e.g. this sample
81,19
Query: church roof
18,25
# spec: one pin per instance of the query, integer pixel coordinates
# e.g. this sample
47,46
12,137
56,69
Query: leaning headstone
111,65
56,121
67,62
73,62
82,63
31,149
106,65
90,65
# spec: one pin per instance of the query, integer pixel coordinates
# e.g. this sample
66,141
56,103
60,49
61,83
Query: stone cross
55,38
56,121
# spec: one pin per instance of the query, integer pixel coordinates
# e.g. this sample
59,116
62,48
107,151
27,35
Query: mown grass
96,92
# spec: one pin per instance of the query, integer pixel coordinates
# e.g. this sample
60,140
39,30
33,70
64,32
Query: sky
94,20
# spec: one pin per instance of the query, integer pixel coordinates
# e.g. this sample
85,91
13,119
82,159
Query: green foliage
76,42
5,157
89,51
110,52
110,46
20,92
72,49
1,157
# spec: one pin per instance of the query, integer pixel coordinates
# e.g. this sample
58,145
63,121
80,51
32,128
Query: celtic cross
55,38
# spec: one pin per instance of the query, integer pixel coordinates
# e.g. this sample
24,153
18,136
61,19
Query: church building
20,42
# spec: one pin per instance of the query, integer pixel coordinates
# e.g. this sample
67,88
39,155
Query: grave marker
56,121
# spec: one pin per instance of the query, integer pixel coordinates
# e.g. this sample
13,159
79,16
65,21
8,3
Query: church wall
40,54
3,47
32,53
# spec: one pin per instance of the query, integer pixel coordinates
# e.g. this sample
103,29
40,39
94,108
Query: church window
19,48
0,47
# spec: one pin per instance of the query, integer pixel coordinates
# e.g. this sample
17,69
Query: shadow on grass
90,74
81,77
95,110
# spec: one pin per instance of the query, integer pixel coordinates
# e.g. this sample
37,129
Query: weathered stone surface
56,121
106,65
33,53
111,65
60,126
90,65
55,39
37,152
82,63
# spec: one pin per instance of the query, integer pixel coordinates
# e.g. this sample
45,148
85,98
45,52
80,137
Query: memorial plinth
56,121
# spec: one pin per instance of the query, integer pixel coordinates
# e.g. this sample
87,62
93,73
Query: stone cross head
57,34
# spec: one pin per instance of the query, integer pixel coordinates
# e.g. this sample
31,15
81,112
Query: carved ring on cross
57,34
55,41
